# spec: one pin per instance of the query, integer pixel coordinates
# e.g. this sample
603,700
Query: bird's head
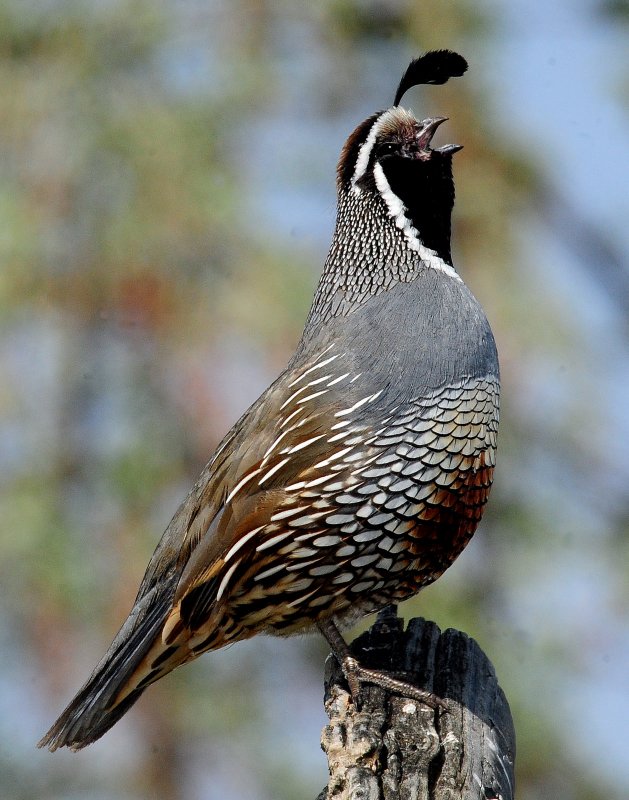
389,156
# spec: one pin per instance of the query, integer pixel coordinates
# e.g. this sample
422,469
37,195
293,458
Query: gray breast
418,337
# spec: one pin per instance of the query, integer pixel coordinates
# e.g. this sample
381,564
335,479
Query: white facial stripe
397,212
394,205
387,122
365,151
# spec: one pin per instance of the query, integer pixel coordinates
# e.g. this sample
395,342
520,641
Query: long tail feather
106,696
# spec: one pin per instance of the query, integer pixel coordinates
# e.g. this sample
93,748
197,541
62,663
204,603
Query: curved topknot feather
436,66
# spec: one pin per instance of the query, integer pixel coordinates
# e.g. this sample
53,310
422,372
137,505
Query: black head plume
436,66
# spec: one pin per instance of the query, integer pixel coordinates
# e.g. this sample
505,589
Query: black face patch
426,190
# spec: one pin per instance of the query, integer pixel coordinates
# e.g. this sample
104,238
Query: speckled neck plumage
369,254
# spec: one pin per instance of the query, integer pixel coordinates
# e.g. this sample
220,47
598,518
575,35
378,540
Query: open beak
424,137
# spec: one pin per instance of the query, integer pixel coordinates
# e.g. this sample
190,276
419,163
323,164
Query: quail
361,473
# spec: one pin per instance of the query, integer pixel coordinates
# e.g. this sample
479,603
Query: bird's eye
387,148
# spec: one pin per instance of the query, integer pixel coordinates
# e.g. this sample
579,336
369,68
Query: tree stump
396,748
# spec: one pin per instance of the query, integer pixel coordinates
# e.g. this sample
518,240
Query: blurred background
166,202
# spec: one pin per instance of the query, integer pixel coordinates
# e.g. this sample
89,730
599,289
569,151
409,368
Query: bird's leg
343,655
355,674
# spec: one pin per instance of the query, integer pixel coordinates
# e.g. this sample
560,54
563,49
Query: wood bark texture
396,748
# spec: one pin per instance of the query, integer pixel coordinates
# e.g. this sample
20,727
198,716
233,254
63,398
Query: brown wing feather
269,528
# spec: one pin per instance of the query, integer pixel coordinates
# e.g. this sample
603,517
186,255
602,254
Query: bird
361,473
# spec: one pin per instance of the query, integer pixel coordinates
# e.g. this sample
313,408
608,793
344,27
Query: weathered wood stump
395,748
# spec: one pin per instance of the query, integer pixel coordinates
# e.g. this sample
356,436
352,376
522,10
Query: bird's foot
355,674
395,682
